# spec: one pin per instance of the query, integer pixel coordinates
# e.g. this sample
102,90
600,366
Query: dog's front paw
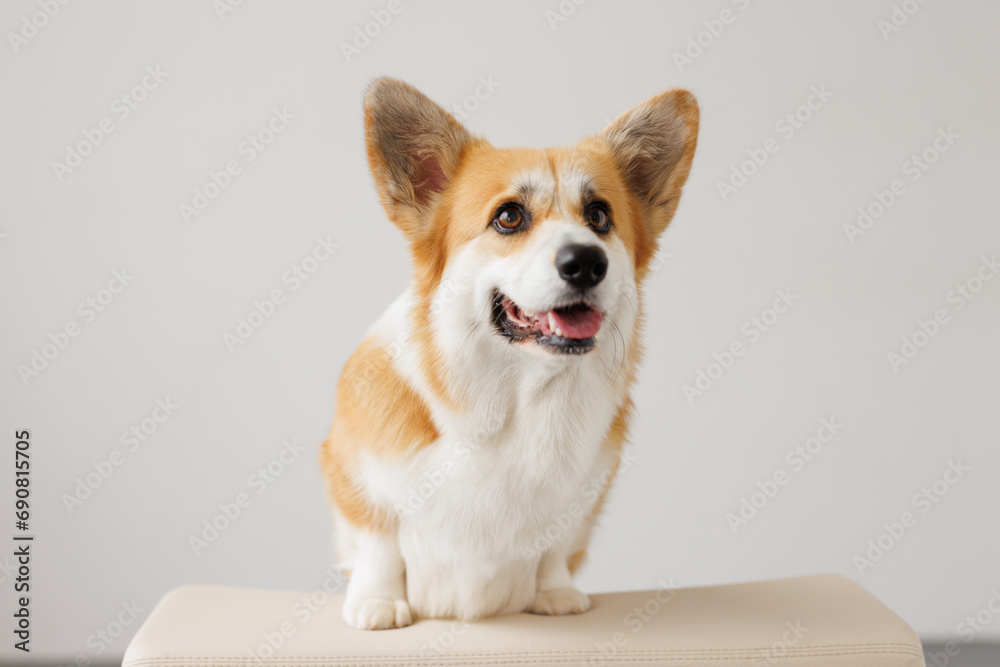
377,613
560,601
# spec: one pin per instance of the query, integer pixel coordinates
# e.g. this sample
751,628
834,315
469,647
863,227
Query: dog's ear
653,144
414,149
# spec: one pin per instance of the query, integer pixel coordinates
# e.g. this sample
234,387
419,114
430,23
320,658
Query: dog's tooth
529,313
558,332
552,323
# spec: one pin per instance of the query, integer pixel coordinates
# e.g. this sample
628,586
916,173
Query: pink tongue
577,323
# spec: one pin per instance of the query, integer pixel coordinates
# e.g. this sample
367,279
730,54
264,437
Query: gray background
666,520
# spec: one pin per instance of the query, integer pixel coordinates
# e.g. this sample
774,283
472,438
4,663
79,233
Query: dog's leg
376,592
555,592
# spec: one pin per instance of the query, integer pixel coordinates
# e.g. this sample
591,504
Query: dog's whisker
624,354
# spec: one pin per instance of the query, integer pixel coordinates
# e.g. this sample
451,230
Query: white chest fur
511,478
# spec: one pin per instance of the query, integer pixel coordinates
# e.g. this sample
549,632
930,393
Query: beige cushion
815,621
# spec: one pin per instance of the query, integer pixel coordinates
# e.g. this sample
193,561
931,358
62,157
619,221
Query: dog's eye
598,217
509,218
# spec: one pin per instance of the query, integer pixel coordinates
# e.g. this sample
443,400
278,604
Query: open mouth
567,329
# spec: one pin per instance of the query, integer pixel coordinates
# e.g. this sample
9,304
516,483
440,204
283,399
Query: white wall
784,229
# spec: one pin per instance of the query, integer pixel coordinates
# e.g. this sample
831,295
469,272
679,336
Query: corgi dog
480,423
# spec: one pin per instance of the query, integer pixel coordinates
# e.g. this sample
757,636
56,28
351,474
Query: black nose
582,266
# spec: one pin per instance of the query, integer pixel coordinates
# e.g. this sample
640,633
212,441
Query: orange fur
378,407
341,489
377,412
